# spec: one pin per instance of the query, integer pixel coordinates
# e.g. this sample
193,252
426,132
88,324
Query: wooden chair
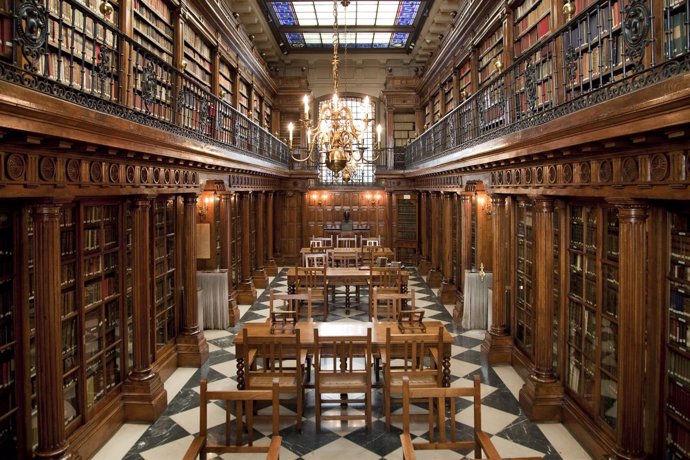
387,279
438,399
386,306
314,278
279,302
244,422
276,356
338,369
346,242
371,241
415,356
326,241
344,259
319,259
315,243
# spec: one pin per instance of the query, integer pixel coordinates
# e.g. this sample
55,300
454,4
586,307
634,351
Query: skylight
372,24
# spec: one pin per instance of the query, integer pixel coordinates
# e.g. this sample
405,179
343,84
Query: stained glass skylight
386,24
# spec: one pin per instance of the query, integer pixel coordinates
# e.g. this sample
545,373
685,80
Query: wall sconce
484,203
106,9
373,199
183,65
222,94
482,273
203,206
499,65
319,198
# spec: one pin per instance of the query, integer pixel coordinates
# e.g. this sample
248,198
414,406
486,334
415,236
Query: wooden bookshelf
428,121
29,297
128,285
257,101
677,375
9,348
154,28
532,22
591,362
436,101
403,129
69,275
465,79
164,286
197,53
489,50
405,226
556,321
448,99
266,123
243,98
676,21
226,81
235,240
524,293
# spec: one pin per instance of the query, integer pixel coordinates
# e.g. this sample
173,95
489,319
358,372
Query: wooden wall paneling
497,343
434,278
461,249
424,259
278,225
291,227
541,395
192,347
226,252
144,396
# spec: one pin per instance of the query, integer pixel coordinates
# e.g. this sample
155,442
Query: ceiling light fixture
336,140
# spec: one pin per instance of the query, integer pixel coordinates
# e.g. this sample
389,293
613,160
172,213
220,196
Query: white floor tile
118,446
177,380
563,441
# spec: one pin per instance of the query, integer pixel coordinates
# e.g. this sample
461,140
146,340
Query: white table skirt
477,304
214,298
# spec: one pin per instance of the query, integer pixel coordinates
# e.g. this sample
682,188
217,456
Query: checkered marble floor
512,433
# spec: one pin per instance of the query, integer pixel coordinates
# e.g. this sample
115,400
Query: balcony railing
65,49
598,55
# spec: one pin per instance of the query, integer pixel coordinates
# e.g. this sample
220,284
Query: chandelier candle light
336,138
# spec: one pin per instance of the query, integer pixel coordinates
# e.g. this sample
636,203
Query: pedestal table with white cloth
214,298
477,300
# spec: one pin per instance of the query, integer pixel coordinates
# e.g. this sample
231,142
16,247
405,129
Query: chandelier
337,138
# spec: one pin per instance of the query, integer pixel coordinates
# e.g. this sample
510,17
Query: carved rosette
15,166
31,31
605,171
130,174
517,177
185,178
194,178
636,26
114,173
585,172
144,175
72,170
552,174
659,167
177,176
166,176
96,171
156,175
629,170
47,168
508,177
499,177
567,173
528,175
540,174
493,178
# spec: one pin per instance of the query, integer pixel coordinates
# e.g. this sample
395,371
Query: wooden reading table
343,328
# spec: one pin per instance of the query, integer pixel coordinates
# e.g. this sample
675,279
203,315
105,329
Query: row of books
678,332
157,13
679,368
529,39
487,59
163,47
7,334
6,299
6,371
680,247
202,72
680,271
195,43
679,299
61,11
91,239
489,42
6,33
69,302
536,15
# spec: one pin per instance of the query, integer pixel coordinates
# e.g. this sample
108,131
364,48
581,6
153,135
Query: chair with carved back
412,355
326,241
244,408
299,303
315,243
441,425
276,356
387,279
314,278
342,366
386,305
346,242
315,259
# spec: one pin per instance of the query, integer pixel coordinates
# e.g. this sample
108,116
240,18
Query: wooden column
632,301
271,267
462,250
144,396
434,278
46,254
259,275
192,348
540,396
424,264
246,292
226,254
497,342
446,250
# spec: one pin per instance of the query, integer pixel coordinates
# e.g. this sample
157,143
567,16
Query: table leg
240,374
446,371
347,299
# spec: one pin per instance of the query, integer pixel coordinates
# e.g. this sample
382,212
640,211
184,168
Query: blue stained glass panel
407,11
285,13
398,39
295,39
